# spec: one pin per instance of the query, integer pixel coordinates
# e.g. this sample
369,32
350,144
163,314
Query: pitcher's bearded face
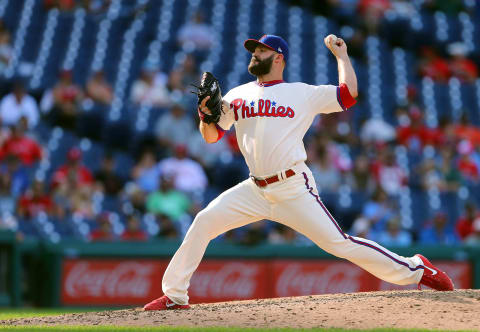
259,67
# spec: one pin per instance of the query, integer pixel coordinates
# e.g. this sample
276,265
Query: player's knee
203,222
336,247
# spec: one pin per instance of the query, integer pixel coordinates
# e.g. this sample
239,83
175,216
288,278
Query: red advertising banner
220,280
110,282
305,277
135,282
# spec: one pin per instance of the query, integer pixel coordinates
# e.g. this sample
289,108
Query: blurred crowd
175,174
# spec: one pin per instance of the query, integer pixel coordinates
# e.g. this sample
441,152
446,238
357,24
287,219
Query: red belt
272,179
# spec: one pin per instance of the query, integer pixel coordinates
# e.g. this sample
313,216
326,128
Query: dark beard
262,67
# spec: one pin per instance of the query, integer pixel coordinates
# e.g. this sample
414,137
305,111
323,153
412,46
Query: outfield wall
122,274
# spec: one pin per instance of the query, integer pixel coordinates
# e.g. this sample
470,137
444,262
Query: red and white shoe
433,277
164,303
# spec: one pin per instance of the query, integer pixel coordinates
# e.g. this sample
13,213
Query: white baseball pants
293,202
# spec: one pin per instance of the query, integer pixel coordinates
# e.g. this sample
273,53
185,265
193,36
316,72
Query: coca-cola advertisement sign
136,282
225,280
295,278
105,282
304,278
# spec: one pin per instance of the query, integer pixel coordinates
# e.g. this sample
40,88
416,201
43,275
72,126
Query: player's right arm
329,98
346,73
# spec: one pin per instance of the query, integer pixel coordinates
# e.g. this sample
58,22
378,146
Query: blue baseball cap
272,42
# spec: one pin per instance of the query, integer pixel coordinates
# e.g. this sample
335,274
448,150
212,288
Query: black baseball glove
209,87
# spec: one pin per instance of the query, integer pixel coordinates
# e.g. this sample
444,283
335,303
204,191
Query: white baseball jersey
271,120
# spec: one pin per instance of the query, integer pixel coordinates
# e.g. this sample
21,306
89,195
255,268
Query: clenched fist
336,45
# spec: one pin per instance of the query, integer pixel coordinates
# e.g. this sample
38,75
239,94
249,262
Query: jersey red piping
270,83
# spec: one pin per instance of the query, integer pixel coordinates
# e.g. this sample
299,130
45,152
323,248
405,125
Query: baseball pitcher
271,118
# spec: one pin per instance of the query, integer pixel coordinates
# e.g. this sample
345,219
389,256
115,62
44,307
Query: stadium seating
119,43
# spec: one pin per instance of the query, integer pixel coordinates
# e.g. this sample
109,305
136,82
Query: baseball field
379,311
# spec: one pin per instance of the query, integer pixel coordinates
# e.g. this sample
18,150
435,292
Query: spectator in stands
104,231
462,67
255,233
13,173
106,178
464,225
167,200
464,130
377,130
281,234
174,127
474,237
378,210
466,163
372,12
188,175
7,200
167,227
362,227
207,154
6,51
18,104
150,89
444,133
183,76
4,134
402,116
389,175
356,44
431,175
437,232
324,171
34,201
196,34
133,231
146,172
451,177
18,144
433,66
67,97
73,197
416,134
359,178
394,235
98,89
322,141
134,199
73,169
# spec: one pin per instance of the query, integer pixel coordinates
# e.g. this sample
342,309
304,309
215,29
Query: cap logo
280,50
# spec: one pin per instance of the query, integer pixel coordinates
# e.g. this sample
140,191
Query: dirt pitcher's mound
457,310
